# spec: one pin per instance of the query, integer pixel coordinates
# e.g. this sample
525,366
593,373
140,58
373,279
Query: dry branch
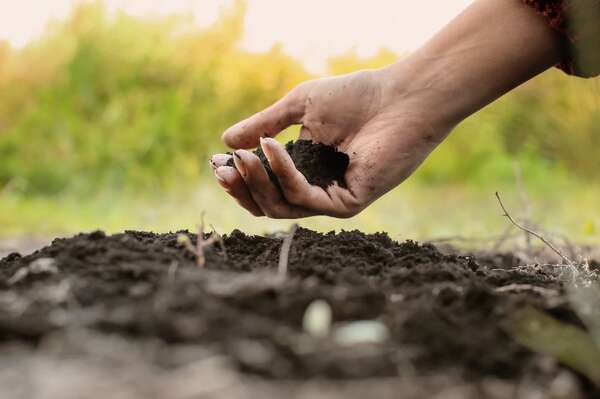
533,233
201,243
285,251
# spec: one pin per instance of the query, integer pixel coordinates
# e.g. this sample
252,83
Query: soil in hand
321,164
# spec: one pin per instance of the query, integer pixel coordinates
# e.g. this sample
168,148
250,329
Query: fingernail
220,178
265,144
219,160
239,163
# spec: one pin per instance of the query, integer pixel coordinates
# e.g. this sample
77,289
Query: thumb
268,123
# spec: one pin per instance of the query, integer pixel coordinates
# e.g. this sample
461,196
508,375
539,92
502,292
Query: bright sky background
310,30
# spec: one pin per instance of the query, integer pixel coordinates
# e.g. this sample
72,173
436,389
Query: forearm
492,47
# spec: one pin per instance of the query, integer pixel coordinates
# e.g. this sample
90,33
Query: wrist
494,46
419,91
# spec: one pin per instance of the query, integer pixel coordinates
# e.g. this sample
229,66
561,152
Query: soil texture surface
321,164
139,301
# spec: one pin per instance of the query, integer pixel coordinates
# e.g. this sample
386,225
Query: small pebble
317,319
361,332
43,265
38,266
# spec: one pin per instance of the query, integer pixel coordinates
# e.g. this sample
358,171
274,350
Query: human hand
386,133
387,120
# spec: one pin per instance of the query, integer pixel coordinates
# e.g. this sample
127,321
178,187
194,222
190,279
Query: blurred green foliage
115,102
105,101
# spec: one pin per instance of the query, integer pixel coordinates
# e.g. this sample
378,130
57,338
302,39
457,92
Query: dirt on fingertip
321,164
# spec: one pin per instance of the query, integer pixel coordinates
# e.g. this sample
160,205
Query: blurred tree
126,102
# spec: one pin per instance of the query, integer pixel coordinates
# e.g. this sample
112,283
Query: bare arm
489,49
392,116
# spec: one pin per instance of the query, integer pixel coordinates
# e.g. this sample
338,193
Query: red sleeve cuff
579,22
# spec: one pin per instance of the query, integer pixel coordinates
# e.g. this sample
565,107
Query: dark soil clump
321,164
444,312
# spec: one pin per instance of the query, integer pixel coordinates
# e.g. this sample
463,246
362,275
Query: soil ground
132,315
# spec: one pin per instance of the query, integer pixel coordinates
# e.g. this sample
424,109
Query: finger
268,123
218,160
260,186
296,189
264,192
230,179
304,134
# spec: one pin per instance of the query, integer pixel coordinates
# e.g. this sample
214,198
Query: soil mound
444,312
321,164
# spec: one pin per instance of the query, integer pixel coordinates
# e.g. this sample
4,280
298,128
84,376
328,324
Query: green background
108,121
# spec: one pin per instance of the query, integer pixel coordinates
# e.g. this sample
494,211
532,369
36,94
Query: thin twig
201,243
220,240
567,244
200,258
285,251
533,233
184,240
